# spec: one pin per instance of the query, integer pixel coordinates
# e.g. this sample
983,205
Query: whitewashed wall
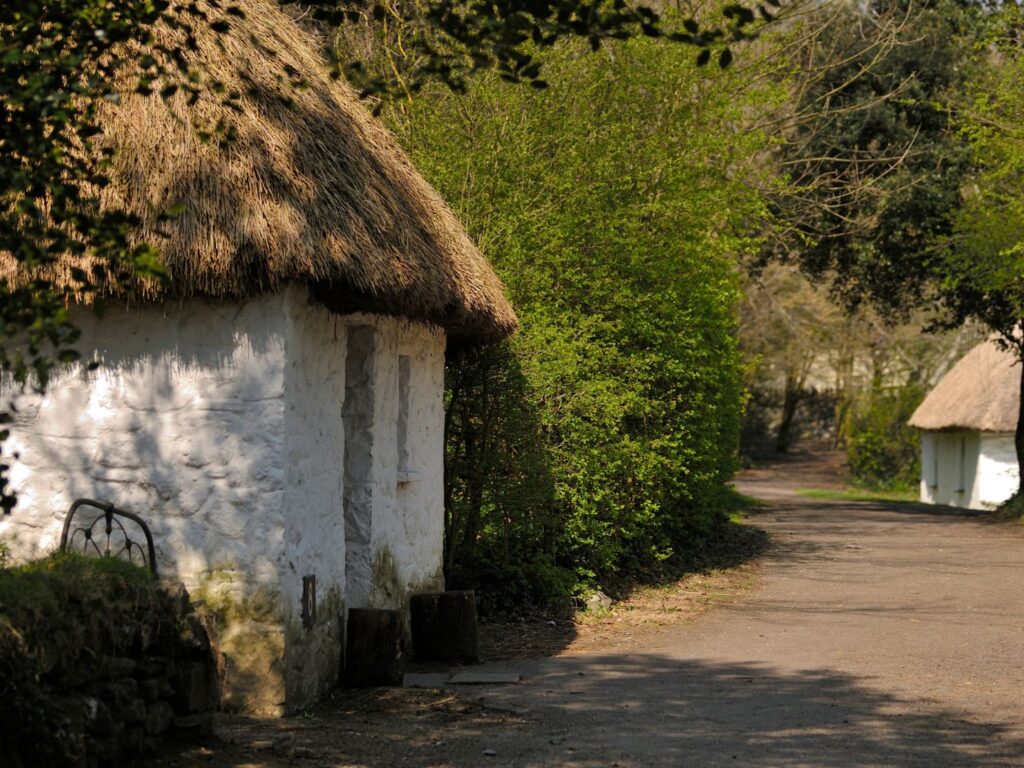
181,423
997,471
222,425
966,468
408,503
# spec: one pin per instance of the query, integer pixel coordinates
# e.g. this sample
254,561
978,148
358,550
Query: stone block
133,711
475,677
116,666
598,602
373,649
153,666
108,751
195,726
100,721
177,597
444,626
195,687
149,689
133,740
425,680
159,717
119,691
194,640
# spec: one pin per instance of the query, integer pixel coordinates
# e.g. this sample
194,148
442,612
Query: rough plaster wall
997,471
314,533
929,478
181,423
358,413
408,507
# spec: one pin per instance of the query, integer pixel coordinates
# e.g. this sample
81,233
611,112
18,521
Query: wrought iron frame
110,516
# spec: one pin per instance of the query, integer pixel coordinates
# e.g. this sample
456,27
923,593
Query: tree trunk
1018,436
790,400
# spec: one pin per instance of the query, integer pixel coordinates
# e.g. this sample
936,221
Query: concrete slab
425,680
472,677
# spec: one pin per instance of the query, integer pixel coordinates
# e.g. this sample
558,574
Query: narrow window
404,468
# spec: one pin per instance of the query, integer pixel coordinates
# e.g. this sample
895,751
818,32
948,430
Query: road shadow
665,711
639,710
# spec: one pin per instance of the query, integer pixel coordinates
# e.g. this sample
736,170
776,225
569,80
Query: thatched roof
317,192
981,392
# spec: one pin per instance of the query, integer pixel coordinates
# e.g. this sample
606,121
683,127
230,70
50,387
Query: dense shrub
595,444
882,451
97,662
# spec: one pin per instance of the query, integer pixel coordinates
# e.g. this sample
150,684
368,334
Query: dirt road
877,635
880,635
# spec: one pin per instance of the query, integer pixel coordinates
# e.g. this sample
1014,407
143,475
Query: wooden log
373,648
444,627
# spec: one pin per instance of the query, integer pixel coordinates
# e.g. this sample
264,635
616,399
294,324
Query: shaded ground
716,578
874,635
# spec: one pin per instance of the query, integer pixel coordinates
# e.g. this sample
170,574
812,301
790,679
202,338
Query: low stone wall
99,668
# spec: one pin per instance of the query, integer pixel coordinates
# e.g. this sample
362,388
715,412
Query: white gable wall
997,470
408,502
221,425
182,423
967,468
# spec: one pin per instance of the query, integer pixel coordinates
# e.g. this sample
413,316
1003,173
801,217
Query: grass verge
833,494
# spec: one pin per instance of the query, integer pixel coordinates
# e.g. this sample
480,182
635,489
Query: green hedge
595,444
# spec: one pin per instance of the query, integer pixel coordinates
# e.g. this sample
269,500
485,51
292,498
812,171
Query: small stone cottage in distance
967,424
274,412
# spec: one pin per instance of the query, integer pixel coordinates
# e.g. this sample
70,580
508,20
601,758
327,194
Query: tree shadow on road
657,710
639,710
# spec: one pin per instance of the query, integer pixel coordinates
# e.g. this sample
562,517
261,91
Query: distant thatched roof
980,392
317,192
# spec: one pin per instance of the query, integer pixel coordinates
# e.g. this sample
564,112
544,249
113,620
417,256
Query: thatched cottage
275,412
967,424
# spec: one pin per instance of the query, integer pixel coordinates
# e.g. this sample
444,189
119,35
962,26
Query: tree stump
373,648
444,626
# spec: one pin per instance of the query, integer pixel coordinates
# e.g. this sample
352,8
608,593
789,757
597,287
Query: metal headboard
112,539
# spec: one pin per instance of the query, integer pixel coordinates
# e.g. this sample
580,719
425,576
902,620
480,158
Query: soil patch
368,728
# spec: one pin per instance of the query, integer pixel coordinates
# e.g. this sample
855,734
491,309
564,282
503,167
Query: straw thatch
980,392
312,189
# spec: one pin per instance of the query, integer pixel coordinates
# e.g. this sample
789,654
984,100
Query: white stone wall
223,425
314,526
966,468
997,471
181,423
408,505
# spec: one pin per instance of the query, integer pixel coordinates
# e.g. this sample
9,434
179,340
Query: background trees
876,167
981,275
